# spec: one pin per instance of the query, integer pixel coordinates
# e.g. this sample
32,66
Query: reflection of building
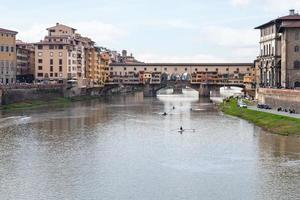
7,56
60,56
219,73
279,59
25,62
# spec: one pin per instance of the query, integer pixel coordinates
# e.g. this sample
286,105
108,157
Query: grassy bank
270,122
34,104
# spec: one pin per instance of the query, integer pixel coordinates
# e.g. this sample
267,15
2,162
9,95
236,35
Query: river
122,148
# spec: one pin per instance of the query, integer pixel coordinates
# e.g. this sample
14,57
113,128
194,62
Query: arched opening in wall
186,77
297,84
228,91
175,77
165,77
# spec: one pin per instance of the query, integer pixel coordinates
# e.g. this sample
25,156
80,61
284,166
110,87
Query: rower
181,130
173,107
164,114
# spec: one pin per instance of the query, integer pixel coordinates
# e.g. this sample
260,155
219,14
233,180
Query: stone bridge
203,77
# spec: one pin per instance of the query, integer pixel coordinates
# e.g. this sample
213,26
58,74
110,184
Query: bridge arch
186,77
165,77
175,77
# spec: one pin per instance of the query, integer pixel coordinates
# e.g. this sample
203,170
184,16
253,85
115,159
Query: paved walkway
274,112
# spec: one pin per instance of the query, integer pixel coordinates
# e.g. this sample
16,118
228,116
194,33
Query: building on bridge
279,60
195,73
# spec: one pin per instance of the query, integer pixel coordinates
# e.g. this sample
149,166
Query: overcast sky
156,30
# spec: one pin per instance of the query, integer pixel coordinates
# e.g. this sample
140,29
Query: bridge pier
204,91
150,90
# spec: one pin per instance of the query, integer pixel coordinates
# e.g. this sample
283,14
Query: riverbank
277,124
35,104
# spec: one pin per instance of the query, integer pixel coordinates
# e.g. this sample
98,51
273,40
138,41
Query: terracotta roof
289,24
295,17
57,24
181,64
2,30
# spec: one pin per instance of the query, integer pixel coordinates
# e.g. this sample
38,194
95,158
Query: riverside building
279,60
25,62
7,56
97,62
60,57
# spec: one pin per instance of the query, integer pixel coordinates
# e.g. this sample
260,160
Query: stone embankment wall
14,95
289,99
9,96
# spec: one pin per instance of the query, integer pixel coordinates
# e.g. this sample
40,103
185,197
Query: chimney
292,12
57,24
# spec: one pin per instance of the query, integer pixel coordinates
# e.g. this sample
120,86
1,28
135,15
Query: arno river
122,148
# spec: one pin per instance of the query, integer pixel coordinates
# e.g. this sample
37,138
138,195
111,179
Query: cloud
279,5
33,33
240,3
197,58
101,33
272,6
229,37
172,23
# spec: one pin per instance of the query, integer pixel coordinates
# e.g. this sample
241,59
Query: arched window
297,64
297,48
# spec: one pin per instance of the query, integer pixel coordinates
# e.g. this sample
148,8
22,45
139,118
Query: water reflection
123,148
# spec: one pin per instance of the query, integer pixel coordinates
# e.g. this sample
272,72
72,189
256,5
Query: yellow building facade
8,56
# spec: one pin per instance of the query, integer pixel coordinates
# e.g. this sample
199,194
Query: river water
123,148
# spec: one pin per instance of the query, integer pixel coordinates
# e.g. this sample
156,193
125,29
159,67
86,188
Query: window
51,46
40,67
196,69
206,69
227,69
51,74
297,35
125,68
51,61
297,64
40,46
145,69
40,61
60,54
185,69
40,54
56,75
60,46
2,48
40,74
60,68
134,69
60,61
7,49
166,69
51,68
297,48
155,69
51,54
12,49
